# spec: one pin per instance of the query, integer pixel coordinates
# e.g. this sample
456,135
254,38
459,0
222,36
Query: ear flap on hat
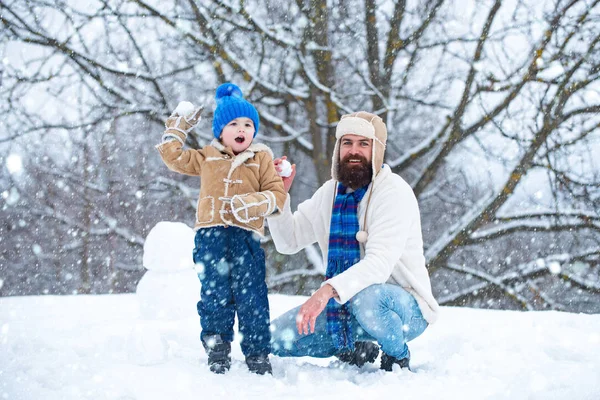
335,161
364,124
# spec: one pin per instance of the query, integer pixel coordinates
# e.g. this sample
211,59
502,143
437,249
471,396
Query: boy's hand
252,206
179,126
288,180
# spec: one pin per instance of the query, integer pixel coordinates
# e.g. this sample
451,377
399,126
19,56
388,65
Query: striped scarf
344,252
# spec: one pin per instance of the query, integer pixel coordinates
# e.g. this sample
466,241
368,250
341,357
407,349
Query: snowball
146,345
286,168
165,295
185,108
169,247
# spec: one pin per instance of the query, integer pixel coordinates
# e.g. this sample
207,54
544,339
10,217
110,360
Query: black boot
387,362
364,352
259,364
219,359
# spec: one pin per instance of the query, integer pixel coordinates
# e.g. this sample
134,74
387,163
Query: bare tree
492,111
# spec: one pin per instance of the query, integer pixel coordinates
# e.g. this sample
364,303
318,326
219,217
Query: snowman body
170,289
167,294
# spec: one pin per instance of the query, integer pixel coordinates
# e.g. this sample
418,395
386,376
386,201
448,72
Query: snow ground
98,347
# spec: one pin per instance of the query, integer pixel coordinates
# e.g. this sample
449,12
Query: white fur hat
364,124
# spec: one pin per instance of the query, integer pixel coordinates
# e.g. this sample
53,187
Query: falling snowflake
37,249
14,164
554,267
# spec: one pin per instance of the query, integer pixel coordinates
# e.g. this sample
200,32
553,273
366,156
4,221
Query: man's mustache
361,158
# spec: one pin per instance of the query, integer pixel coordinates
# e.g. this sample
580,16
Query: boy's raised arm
186,162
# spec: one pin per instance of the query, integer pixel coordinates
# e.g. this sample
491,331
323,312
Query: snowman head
169,247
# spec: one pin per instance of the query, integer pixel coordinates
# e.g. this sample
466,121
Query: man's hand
312,308
287,181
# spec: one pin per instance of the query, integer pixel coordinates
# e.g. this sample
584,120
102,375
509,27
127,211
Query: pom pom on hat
228,89
231,105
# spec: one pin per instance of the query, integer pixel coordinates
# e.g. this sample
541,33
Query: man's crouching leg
392,316
287,342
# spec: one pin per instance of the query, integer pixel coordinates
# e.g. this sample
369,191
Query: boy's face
238,134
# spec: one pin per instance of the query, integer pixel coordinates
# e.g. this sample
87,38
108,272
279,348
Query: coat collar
245,155
219,146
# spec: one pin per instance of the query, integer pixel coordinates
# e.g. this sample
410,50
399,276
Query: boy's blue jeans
384,313
231,269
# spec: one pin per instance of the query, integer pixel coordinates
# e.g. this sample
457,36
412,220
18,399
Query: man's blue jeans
384,313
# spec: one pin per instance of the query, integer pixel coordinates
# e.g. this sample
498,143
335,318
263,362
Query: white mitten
183,119
250,207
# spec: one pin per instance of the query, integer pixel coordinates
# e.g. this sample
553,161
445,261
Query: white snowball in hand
286,168
185,108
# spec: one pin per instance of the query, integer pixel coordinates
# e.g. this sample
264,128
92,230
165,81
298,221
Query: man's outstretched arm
292,232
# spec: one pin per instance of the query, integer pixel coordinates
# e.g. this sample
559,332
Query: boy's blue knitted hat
231,105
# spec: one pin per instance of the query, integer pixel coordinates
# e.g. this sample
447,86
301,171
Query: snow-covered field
99,347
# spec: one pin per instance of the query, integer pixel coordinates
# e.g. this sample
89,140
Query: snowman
170,288
168,291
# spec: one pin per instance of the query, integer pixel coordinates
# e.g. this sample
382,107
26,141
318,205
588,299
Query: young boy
239,188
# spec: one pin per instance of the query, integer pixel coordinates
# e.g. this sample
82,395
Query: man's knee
380,298
368,303
369,296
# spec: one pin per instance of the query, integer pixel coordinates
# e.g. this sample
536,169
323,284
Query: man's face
356,145
355,169
238,134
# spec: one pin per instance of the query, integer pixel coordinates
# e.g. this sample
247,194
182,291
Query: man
366,221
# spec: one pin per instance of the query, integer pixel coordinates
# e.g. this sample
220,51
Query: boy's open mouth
240,139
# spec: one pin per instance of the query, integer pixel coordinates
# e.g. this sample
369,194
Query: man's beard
355,176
